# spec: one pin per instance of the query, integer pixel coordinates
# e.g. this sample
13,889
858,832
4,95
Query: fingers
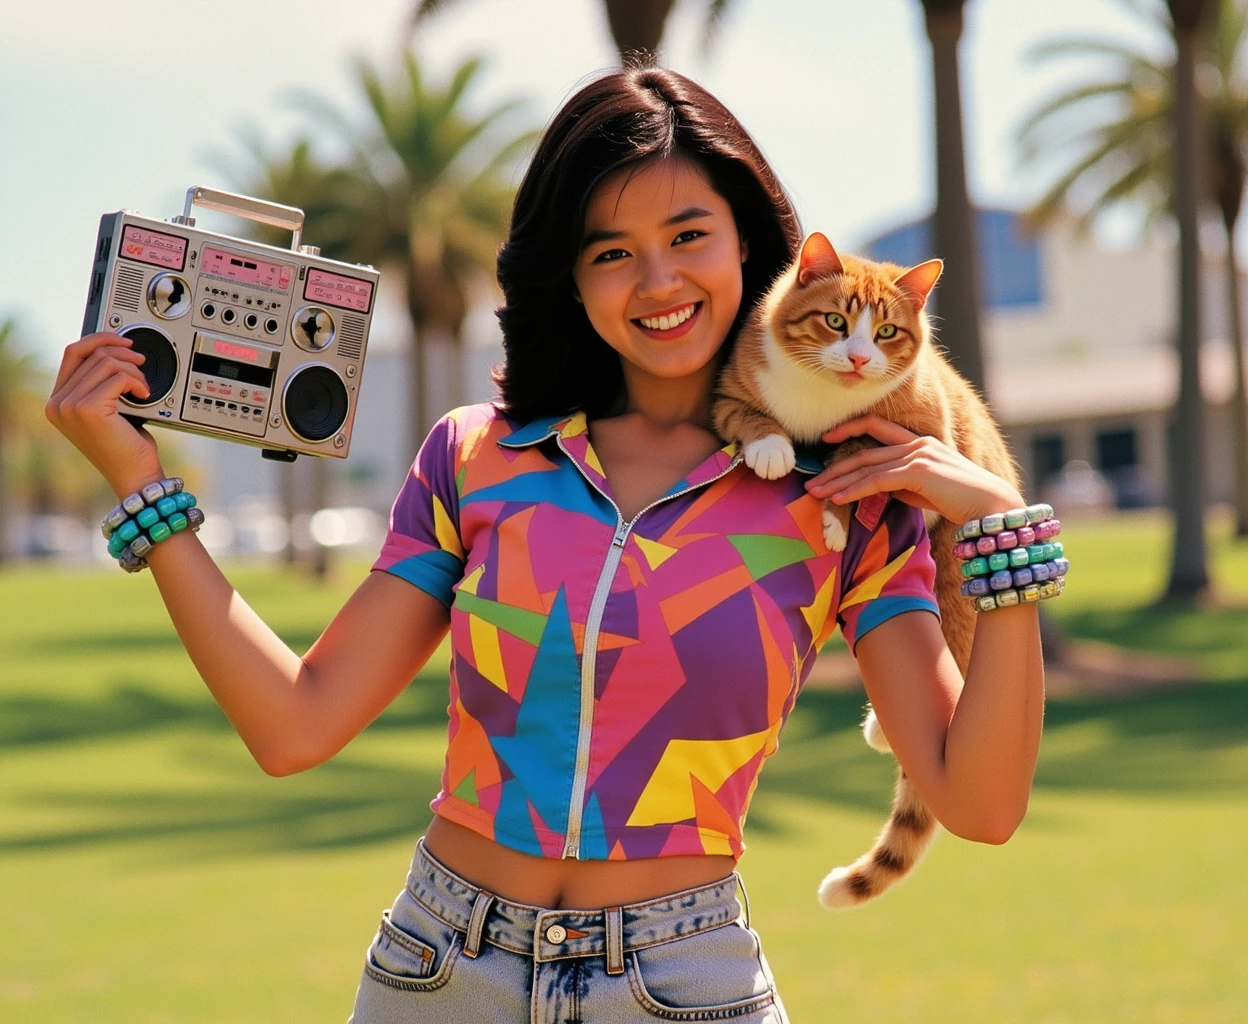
81,392
876,426
80,351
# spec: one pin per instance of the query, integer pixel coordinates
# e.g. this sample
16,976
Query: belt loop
745,893
615,940
476,922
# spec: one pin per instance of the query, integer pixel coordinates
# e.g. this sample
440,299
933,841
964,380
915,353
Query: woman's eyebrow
692,213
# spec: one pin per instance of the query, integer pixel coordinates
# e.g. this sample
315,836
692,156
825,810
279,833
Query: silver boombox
244,341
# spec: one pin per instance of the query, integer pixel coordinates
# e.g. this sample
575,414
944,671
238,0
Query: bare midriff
566,884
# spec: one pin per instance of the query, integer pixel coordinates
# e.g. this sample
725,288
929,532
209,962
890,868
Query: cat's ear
818,259
918,282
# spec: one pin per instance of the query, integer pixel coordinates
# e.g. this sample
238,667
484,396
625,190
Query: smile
670,325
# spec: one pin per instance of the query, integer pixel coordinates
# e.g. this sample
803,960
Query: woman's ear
745,250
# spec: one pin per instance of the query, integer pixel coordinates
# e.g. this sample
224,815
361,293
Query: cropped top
615,687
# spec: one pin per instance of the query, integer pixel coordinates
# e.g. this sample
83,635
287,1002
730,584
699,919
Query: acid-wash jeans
449,951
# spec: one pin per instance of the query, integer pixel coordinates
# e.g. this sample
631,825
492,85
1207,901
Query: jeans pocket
413,949
712,975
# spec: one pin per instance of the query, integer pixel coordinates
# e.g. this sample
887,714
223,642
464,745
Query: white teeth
666,323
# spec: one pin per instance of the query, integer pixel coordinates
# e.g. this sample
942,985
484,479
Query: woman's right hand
95,372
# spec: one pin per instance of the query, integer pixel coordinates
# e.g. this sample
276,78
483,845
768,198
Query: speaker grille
160,367
351,337
315,403
129,291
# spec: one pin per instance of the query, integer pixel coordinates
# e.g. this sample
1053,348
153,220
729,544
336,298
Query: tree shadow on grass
1183,741
1163,628
1188,740
131,709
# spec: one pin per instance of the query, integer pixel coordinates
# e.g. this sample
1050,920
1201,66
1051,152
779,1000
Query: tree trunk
4,494
957,298
1189,575
1239,406
320,561
637,25
290,508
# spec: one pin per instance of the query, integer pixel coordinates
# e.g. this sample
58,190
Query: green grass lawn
150,872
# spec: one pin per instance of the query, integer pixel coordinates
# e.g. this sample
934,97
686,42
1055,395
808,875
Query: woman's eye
609,256
887,331
689,235
836,321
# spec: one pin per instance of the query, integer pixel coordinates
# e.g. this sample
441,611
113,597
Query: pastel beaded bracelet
1021,595
1005,579
1023,536
1015,558
1000,521
161,509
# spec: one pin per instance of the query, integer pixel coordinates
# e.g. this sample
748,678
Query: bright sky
117,105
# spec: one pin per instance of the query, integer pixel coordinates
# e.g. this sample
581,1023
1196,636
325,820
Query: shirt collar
573,430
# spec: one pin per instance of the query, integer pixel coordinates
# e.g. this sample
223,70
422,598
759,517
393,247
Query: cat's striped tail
900,846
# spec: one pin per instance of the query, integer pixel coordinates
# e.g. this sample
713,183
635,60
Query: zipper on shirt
589,649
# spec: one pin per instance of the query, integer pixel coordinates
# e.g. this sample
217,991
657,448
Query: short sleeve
887,568
423,544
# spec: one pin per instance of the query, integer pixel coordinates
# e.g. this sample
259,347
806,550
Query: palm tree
427,192
636,25
957,299
1140,138
18,376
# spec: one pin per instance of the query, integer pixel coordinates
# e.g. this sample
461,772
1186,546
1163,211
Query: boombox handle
276,215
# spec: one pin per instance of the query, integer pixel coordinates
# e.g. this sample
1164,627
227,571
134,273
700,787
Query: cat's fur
782,385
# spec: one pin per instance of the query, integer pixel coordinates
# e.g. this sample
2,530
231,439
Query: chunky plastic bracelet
154,519
1015,558
1005,579
999,521
132,556
133,504
1023,536
1021,595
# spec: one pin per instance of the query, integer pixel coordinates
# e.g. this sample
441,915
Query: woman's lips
674,332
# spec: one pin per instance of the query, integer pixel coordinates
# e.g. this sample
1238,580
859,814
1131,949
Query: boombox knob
169,296
278,454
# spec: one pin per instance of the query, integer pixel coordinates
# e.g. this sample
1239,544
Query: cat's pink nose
859,361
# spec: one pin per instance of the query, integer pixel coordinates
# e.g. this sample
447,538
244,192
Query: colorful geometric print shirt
615,687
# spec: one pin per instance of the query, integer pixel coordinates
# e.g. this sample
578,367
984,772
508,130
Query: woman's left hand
921,471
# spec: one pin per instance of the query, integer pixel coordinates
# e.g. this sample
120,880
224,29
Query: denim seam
408,942
727,1011
436,981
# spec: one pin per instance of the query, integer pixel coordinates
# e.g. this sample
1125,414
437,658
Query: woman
633,609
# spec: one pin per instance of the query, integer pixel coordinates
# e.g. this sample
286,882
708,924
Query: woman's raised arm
291,712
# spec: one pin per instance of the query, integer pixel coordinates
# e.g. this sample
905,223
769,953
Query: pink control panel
337,290
153,247
244,268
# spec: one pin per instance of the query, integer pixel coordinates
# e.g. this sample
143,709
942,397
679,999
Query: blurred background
1080,167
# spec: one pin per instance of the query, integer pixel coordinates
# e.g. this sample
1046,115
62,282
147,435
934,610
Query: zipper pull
621,534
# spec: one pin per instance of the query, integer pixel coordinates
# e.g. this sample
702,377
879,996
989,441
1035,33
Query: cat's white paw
771,457
833,532
874,735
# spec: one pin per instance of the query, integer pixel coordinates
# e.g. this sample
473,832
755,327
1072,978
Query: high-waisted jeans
448,951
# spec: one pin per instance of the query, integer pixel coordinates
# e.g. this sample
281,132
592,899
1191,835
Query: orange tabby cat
835,338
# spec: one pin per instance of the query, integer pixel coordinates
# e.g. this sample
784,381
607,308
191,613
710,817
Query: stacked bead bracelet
146,517
1010,558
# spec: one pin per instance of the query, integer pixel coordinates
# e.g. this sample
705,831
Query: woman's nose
659,279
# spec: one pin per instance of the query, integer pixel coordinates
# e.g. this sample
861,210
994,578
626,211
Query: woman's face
659,270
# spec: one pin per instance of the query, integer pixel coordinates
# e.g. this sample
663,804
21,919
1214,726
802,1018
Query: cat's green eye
836,321
887,331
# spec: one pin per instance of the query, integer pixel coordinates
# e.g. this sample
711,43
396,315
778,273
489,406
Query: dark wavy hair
555,361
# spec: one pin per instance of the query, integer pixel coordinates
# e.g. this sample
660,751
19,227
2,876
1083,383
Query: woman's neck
665,402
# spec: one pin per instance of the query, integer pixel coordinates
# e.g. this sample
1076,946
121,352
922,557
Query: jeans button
556,933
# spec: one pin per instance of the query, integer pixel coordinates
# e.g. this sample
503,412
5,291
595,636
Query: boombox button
199,386
243,393
351,370
339,441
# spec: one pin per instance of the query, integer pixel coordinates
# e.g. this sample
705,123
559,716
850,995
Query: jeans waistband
548,934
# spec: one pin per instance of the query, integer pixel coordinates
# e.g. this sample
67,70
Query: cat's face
852,320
